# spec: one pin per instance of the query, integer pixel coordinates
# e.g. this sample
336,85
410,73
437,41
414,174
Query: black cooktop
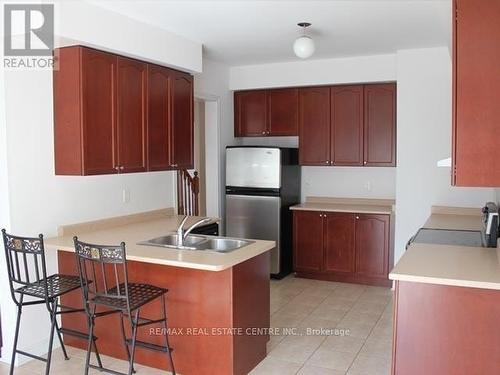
449,237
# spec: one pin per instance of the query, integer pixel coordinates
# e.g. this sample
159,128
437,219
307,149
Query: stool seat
139,295
57,285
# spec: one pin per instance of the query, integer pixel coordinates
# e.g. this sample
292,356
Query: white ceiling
252,32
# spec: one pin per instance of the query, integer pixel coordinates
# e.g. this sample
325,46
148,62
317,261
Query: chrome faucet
182,234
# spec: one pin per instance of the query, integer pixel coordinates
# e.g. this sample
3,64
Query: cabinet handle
117,168
264,133
357,217
327,162
122,168
364,163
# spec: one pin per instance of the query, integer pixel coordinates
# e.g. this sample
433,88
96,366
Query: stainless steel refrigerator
261,184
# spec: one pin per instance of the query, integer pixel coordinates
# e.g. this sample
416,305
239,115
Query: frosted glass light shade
303,47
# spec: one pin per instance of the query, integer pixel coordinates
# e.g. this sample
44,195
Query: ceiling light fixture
303,45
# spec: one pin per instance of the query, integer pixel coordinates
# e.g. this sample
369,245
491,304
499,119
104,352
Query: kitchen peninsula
447,303
214,299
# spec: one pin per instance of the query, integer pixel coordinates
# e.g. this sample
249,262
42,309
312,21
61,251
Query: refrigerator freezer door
254,167
255,217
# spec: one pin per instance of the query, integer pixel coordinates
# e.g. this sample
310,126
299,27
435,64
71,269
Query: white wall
314,72
79,22
213,85
424,137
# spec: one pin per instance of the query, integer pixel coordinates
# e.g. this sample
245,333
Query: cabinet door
347,125
372,245
308,241
98,112
283,115
314,126
158,118
131,115
339,242
182,120
250,113
476,82
380,125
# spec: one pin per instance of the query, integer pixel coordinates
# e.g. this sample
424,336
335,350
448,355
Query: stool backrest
25,257
102,270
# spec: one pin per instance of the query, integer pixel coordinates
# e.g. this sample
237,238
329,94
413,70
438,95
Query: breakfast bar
217,303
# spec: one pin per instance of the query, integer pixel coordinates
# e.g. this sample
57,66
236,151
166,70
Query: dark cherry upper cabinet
347,125
84,112
250,113
283,112
182,145
159,132
476,93
380,125
131,115
339,242
314,126
116,115
308,241
372,245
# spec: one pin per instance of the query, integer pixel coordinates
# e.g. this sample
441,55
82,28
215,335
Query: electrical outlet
126,195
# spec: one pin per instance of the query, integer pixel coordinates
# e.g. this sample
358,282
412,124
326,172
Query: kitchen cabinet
372,245
283,112
131,115
314,126
308,240
182,144
476,94
250,113
119,115
347,125
159,132
380,125
339,242
261,113
345,247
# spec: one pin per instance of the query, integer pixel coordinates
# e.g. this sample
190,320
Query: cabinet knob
117,168
122,168
357,217
365,162
264,133
327,162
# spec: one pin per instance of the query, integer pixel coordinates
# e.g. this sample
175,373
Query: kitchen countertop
134,228
355,205
474,267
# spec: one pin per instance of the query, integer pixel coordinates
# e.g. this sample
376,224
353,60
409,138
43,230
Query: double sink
195,242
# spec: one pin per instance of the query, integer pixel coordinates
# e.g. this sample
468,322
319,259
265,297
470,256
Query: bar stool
25,257
104,279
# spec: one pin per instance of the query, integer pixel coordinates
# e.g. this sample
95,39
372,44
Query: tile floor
356,336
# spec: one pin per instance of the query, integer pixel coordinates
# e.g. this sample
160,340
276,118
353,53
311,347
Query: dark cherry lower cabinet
343,246
114,114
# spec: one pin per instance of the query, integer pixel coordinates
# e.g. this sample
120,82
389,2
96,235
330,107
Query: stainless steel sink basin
222,244
218,244
171,240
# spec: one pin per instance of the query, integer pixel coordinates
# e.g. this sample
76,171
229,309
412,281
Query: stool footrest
108,370
74,333
149,346
31,355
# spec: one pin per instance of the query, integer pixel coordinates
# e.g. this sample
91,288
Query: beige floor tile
377,346
274,340
308,298
315,323
296,309
372,307
318,291
275,366
361,330
370,365
354,316
346,344
331,359
328,312
339,302
296,349
315,370
282,319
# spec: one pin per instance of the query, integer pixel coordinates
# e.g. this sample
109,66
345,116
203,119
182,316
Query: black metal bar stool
25,257
104,279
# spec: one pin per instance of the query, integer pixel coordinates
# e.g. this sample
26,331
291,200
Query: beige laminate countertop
354,205
133,231
474,267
